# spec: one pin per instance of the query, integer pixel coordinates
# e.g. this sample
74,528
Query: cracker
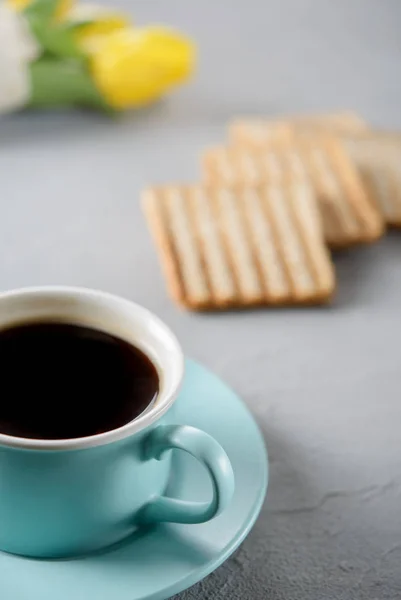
222,247
348,214
256,132
378,157
342,121
235,166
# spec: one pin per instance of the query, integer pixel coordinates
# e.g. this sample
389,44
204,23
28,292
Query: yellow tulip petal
135,66
63,8
105,21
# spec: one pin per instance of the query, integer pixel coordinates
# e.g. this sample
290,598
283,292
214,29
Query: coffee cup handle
210,454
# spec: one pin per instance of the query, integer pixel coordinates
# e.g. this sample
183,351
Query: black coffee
61,381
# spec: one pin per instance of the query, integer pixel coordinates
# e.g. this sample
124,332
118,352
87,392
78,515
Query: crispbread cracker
345,121
255,132
222,247
235,166
349,216
378,157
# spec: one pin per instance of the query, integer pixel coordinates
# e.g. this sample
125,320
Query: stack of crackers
272,202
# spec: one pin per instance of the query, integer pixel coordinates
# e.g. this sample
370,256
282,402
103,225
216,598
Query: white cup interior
111,314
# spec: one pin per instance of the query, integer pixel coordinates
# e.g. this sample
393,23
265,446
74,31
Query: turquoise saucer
165,560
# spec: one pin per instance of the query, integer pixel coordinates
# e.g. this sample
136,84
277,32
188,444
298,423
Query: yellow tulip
63,8
104,22
133,67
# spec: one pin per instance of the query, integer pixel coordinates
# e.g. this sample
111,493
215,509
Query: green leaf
43,10
65,83
56,39
74,26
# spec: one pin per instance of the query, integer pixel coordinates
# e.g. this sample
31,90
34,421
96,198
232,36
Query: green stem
64,83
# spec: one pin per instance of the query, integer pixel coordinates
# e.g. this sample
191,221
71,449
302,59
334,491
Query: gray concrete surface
323,384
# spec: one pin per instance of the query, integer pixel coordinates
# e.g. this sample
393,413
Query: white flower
17,49
85,12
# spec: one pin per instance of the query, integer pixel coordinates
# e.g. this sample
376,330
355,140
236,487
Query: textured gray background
323,384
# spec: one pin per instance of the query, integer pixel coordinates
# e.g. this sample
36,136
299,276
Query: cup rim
114,435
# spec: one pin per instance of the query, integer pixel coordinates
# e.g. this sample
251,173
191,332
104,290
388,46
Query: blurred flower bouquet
54,53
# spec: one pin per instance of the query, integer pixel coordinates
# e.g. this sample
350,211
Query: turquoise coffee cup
68,497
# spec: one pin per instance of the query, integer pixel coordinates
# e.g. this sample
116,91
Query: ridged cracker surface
348,214
256,132
222,247
378,157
